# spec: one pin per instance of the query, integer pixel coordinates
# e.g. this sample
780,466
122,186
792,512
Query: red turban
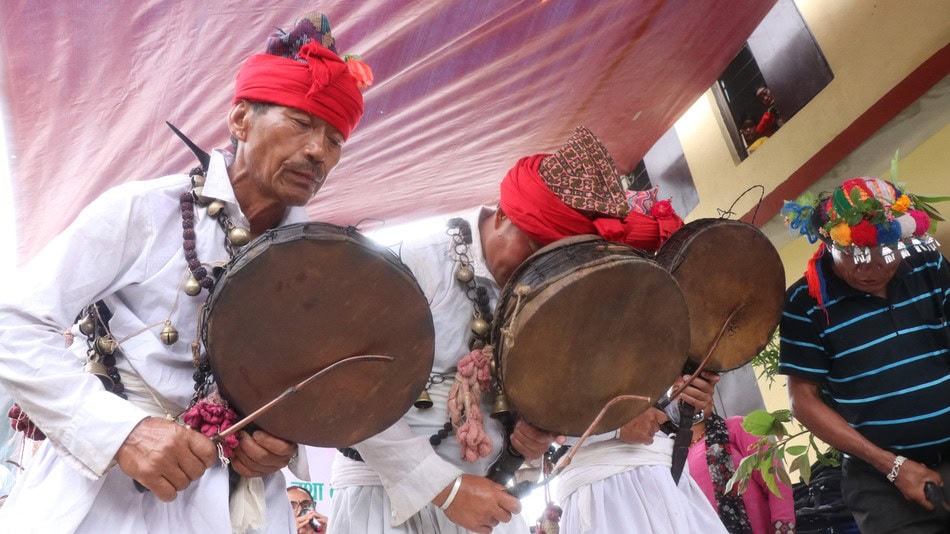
322,86
538,212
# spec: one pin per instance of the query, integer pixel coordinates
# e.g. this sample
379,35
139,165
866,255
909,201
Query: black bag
819,506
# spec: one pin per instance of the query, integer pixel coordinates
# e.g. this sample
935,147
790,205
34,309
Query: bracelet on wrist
896,469
455,490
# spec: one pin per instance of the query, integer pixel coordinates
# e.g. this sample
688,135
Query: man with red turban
135,264
415,477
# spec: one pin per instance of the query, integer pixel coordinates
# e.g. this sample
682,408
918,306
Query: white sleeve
90,259
411,471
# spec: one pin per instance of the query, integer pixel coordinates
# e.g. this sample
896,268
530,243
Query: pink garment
762,506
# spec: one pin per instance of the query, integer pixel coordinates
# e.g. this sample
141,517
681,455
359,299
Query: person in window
771,121
749,134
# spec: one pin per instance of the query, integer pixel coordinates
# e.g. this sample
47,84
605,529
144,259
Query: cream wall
870,45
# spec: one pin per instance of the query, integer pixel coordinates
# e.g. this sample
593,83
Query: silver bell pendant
169,334
215,208
464,273
192,287
479,326
238,236
87,325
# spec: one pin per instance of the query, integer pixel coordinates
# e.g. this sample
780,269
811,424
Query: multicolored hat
862,214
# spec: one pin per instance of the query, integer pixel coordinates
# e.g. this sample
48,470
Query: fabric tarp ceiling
463,89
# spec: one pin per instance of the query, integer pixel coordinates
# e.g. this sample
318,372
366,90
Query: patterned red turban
577,191
314,79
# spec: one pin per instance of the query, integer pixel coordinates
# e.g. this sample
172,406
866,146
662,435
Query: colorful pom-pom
888,232
864,234
922,220
841,234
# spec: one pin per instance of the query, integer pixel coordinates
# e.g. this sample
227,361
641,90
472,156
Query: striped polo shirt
883,364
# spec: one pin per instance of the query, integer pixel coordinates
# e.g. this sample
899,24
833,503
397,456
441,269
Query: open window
778,71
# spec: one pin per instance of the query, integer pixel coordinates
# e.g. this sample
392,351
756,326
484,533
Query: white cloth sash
604,459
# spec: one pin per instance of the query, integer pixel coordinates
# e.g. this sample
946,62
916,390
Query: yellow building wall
870,47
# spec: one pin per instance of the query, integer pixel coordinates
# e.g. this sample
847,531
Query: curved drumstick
290,391
702,365
520,489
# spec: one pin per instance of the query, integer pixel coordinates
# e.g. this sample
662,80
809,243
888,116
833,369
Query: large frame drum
582,321
301,297
725,267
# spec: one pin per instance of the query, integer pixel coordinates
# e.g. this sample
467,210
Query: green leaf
796,450
794,465
767,468
779,430
784,416
804,468
783,477
743,472
855,195
758,423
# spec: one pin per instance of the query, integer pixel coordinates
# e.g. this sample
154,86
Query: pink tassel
473,377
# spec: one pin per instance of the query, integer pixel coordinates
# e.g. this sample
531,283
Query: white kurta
391,491
126,249
611,486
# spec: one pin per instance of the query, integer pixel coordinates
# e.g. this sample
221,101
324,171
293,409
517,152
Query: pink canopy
463,89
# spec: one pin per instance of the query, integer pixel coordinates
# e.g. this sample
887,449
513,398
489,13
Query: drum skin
581,322
723,266
301,297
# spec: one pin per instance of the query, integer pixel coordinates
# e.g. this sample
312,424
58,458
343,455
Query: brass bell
105,345
197,191
169,334
424,402
215,208
464,273
238,236
197,180
500,407
95,367
192,287
87,325
479,326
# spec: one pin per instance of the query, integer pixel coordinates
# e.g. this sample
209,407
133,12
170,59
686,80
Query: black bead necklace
234,238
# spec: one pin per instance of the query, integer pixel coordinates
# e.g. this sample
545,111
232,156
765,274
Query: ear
239,120
499,218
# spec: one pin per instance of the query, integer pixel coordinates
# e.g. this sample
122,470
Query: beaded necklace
199,278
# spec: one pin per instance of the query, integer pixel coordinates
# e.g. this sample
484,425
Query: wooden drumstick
702,365
290,391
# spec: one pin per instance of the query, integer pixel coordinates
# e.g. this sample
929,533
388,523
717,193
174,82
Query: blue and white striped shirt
883,364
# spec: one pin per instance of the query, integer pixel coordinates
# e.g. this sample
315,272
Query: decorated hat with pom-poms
865,213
